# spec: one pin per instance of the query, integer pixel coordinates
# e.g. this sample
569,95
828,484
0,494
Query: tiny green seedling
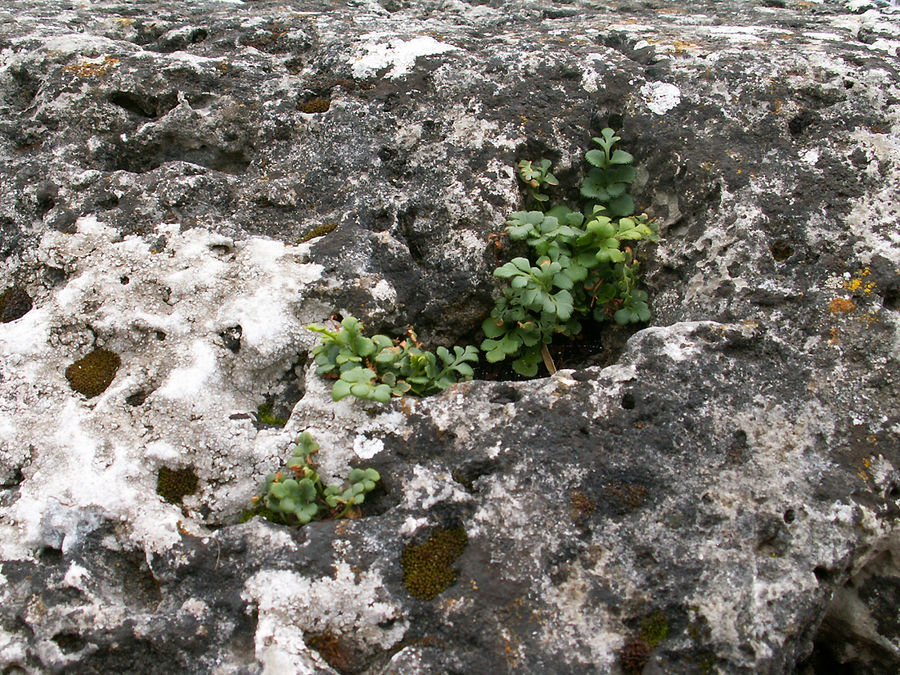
298,495
377,368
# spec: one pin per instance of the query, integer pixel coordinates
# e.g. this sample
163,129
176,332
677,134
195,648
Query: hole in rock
137,399
170,148
50,556
279,402
781,251
17,479
46,195
790,516
802,121
472,470
231,338
598,345
628,401
823,574
68,642
892,299
143,105
266,417
505,394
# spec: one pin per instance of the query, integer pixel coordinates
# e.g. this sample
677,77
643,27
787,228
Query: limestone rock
187,186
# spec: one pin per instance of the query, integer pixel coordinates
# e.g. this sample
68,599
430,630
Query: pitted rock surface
188,185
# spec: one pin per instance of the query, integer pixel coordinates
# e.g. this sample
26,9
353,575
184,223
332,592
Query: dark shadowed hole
790,516
231,338
50,556
628,401
143,105
823,574
136,399
892,299
505,394
69,642
781,251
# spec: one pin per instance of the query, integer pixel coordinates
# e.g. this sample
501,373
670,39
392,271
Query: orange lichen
841,306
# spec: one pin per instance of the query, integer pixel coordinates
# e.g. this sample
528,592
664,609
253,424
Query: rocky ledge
187,185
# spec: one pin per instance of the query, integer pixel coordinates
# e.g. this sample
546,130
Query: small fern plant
581,264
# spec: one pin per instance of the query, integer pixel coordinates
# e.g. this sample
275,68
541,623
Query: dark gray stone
189,184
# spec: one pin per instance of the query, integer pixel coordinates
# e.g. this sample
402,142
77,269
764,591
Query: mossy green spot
92,374
654,628
265,416
318,231
173,485
428,567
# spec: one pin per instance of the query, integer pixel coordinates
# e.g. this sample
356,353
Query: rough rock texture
187,185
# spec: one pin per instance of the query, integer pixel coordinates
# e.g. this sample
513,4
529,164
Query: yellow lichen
859,284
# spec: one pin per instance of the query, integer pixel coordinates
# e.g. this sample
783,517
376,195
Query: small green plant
298,495
536,178
377,368
582,263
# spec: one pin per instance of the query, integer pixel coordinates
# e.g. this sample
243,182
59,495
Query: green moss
654,628
317,231
92,374
428,567
14,304
264,416
315,105
173,485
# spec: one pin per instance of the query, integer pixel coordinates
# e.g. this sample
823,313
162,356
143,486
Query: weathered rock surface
185,186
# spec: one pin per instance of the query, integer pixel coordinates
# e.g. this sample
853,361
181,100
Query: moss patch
173,485
654,628
318,231
92,374
428,567
265,416
14,304
314,105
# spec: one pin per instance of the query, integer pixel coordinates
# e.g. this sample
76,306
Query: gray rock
189,185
